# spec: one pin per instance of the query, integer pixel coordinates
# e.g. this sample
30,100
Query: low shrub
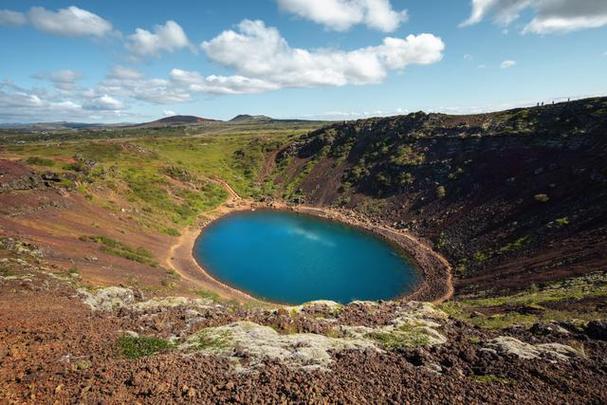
135,347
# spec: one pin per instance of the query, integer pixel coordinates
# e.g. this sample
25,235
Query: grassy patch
208,295
5,271
491,379
117,248
172,232
136,347
404,336
470,310
73,272
39,161
206,340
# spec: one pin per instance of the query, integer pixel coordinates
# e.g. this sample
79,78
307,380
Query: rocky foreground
65,343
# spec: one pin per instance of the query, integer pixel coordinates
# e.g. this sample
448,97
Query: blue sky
111,61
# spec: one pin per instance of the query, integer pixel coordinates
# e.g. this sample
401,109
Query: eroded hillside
511,198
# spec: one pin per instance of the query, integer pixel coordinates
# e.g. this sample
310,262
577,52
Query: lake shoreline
435,281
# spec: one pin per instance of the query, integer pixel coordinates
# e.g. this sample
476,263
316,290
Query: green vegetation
39,161
141,346
5,271
117,248
73,272
516,245
532,305
491,379
407,156
205,340
404,336
208,295
166,181
172,232
480,257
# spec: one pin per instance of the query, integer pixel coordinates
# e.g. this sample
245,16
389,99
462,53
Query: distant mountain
242,118
264,119
177,120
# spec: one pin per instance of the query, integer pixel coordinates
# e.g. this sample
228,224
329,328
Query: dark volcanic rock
597,330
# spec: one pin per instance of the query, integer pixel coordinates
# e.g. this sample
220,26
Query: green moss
136,347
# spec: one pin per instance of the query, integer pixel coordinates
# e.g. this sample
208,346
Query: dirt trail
269,165
233,195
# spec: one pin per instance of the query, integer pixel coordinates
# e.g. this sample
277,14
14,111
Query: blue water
291,258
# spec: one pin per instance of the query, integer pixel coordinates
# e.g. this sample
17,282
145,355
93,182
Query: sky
126,61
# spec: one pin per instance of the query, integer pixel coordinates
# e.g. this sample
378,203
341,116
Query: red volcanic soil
57,220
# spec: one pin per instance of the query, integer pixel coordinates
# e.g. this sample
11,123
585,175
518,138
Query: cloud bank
258,52
550,16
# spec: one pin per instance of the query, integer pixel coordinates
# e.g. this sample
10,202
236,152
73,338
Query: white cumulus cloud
128,82
550,16
71,22
165,38
12,18
18,104
259,52
124,73
341,15
196,83
104,103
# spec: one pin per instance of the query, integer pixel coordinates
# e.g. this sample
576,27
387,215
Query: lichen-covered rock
172,302
256,342
107,299
512,346
420,313
20,248
319,305
415,324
